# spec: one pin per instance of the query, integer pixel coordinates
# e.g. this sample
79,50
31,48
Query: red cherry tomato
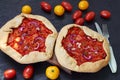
79,21
9,73
90,16
67,6
45,6
76,14
28,72
105,14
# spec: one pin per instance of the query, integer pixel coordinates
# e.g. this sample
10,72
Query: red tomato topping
81,47
29,36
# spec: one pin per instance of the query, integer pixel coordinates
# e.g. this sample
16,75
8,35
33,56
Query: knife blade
112,62
98,28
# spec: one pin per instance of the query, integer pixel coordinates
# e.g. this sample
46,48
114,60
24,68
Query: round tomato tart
28,38
81,49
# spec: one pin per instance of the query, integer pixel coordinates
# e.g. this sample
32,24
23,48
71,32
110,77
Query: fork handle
112,62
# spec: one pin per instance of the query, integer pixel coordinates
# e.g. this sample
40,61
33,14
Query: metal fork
112,62
105,31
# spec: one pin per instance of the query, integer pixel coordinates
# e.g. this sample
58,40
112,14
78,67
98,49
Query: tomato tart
28,38
81,49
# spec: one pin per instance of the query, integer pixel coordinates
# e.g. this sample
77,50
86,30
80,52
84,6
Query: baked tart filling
29,36
82,47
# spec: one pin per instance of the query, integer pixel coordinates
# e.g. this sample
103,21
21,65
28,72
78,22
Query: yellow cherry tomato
59,10
83,5
26,9
52,72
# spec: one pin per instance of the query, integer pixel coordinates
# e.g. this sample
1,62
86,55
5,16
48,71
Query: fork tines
105,30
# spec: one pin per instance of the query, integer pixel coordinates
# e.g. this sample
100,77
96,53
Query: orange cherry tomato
59,10
9,73
26,9
67,6
76,14
52,72
46,6
28,72
90,16
83,5
105,14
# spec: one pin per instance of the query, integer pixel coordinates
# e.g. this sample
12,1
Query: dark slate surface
10,8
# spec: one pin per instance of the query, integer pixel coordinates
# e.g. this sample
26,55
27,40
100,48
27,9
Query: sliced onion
89,38
72,38
33,24
94,40
78,44
23,36
73,49
69,49
39,38
21,28
20,42
94,50
87,57
38,45
87,47
26,47
69,45
37,28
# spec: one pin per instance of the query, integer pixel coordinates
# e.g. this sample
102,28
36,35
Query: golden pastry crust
68,62
33,56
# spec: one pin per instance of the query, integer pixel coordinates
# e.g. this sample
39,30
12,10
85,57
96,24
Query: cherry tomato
52,72
9,73
26,9
67,6
90,16
76,14
28,72
105,14
79,21
59,10
45,6
83,5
